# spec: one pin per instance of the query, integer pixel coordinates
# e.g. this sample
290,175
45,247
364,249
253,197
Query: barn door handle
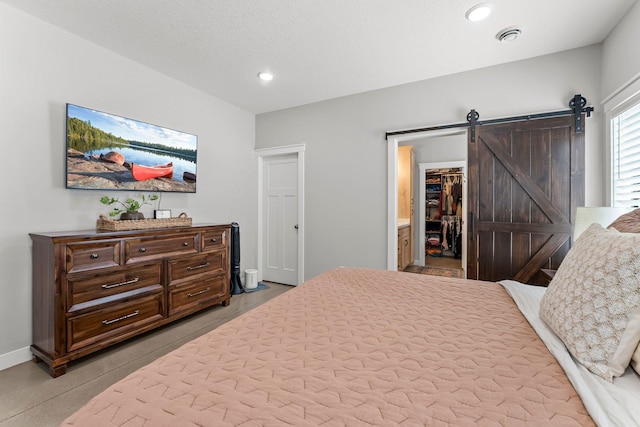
472,219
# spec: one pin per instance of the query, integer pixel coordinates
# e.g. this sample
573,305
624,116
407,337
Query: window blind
626,158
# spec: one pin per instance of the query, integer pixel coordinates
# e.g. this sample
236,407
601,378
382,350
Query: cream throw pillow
593,301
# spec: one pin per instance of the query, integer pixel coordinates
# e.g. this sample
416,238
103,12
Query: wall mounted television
109,152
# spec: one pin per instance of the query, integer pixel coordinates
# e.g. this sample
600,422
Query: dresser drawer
214,239
187,267
157,247
89,290
106,323
201,292
88,256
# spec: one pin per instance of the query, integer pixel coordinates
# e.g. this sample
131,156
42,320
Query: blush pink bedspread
355,347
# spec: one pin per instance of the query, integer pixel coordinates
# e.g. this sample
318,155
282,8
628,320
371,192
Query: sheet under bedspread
355,347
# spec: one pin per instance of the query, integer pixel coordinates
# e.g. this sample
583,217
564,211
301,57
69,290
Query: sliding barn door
525,181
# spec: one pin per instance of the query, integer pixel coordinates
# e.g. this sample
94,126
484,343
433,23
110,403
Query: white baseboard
15,357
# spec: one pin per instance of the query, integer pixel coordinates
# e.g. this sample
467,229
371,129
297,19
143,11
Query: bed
357,346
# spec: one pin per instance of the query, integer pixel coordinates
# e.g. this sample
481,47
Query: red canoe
141,172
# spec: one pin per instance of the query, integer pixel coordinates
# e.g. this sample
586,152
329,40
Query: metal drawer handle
214,240
94,256
185,244
199,293
115,285
126,316
195,267
143,250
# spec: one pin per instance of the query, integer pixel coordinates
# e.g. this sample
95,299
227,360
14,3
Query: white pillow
593,301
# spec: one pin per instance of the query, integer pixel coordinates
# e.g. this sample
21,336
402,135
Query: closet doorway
433,146
442,209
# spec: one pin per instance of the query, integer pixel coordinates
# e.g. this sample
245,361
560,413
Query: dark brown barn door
525,181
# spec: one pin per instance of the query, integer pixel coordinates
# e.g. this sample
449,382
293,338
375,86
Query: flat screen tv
109,152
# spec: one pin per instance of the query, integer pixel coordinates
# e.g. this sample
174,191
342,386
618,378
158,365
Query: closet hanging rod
577,104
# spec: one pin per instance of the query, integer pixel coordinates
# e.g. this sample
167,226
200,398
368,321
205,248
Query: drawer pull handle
94,256
185,244
195,267
127,282
214,240
198,293
126,316
143,250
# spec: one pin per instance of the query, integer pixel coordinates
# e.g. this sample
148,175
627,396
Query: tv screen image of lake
94,133
150,157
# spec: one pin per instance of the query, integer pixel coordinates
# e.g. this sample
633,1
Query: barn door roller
577,104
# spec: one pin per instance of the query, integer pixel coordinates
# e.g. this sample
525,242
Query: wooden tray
106,224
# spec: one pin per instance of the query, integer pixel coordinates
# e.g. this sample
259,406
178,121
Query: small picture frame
162,213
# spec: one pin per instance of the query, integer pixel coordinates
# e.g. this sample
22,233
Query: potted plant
130,205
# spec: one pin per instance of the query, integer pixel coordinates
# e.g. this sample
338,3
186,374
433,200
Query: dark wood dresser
93,289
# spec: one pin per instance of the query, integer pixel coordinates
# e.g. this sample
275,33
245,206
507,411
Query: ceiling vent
508,34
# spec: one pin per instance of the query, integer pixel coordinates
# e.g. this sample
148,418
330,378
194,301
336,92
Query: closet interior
443,217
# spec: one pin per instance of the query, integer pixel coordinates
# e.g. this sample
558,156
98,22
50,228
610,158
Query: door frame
262,154
424,167
392,186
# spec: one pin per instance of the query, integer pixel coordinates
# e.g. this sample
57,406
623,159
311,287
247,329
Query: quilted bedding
355,347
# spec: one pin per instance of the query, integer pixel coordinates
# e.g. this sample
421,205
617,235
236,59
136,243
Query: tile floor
443,262
30,397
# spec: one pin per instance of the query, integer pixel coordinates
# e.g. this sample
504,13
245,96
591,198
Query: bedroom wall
620,58
41,69
346,152
440,148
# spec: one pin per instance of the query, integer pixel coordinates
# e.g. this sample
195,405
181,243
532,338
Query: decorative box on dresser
94,289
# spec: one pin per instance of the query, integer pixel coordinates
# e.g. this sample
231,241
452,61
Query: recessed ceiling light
508,34
478,12
266,76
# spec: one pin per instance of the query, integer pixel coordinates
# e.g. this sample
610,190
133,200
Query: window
625,137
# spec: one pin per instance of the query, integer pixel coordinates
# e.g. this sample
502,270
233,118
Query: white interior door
280,210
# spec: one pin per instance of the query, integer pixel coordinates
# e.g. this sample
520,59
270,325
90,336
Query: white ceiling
322,49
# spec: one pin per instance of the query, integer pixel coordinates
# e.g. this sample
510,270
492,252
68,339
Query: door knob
295,226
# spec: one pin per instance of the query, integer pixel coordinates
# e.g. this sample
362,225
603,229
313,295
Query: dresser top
94,234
